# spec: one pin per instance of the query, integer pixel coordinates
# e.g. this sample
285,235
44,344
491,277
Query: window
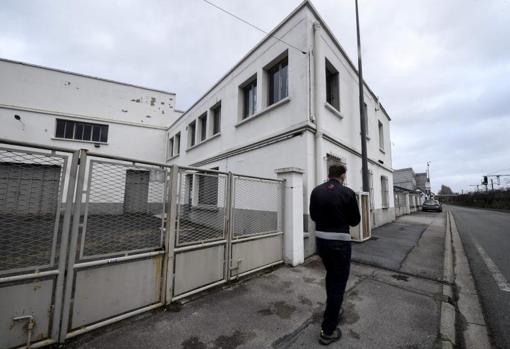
381,135
216,115
81,131
177,143
208,189
384,192
332,83
170,148
249,99
202,121
278,82
191,133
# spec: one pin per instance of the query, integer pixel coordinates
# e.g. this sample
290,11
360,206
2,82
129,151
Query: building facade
290,102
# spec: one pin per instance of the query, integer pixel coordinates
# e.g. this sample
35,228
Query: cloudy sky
441,68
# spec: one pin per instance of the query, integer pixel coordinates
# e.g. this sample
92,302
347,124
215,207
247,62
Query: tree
445,190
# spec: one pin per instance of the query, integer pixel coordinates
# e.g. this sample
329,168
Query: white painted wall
49,90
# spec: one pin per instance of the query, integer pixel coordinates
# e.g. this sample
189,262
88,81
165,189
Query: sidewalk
393,301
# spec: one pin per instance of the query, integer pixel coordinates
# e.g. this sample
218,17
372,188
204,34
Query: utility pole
362,112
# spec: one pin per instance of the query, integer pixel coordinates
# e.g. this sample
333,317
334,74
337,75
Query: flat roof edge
84,75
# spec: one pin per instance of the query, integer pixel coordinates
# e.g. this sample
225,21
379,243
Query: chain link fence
201,205
257,206
125,209
31,188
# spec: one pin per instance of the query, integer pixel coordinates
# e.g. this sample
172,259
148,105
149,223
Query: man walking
333,208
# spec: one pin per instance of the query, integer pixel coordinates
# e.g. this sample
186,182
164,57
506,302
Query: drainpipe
316,103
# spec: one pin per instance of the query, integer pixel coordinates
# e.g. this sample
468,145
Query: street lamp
364,158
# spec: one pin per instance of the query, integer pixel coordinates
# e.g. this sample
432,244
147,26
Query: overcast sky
441,68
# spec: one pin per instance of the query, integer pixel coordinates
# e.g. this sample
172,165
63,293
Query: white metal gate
116,237
34,228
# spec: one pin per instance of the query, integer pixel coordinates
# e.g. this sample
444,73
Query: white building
292,101
54,107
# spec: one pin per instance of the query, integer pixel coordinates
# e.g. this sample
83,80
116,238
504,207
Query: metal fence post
62,259
170,230
229,226
66,313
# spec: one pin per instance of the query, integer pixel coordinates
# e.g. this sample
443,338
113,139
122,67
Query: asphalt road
486,238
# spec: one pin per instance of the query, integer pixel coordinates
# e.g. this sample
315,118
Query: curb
448,311
471,319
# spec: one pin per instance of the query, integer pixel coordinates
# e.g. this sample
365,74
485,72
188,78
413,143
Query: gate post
293,238
170,230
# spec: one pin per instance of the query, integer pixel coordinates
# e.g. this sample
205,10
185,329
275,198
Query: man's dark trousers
336,256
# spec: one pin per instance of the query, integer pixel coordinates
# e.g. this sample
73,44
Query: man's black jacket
333,207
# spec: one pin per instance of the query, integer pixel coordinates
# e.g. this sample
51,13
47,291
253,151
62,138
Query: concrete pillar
293,239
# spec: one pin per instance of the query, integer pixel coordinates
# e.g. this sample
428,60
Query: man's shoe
326,339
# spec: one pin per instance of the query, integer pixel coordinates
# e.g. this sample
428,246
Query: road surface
486,238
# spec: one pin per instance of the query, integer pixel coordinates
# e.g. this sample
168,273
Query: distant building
405,178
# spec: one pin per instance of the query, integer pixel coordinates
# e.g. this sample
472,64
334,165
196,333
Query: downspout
316,103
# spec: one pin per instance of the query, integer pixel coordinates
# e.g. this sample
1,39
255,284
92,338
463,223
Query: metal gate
36,195
115,266
116,237
227,226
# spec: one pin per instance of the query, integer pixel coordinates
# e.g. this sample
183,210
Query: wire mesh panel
200,207
31,187
124,210
257,206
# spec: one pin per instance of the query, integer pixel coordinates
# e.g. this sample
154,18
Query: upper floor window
202,121
332,83
82,131
278,81
170,148
177,144
249,98
381,135
192,127
216,119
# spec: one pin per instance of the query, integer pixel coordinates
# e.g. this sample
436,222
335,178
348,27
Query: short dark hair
335,171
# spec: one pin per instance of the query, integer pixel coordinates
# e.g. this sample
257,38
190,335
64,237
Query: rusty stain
148,116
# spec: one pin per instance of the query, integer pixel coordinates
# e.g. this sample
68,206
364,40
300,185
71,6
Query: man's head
337,172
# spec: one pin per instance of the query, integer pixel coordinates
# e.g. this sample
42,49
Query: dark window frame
177,143
249,91
332,86
278,77
192,130
202,122
81,131
216,119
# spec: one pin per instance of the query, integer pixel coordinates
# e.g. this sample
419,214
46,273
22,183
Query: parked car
432,205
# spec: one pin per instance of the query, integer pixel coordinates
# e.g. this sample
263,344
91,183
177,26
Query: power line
252,25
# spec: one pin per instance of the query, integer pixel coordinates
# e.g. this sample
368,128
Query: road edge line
448,312
475,333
